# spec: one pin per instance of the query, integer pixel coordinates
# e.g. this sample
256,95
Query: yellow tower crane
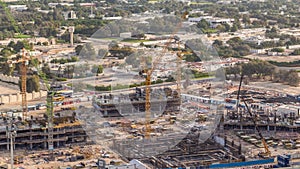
148,79
23,70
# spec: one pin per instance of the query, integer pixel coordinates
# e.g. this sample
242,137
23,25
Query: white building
125,35
69,15
258,51
213,21
18,7
113,18
53,5
259,39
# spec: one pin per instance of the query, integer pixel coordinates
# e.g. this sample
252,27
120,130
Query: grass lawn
22,36
134,40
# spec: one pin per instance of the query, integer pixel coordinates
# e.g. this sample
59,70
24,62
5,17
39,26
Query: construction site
178,123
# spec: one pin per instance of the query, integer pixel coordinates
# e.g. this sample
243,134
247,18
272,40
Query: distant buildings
18,7
53,5
112,18
213,21
69,15
260,39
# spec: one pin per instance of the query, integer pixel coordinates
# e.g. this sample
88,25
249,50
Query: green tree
246,19
100,69
203,24
277,50
293,78
22,44
5,52
7,69
296,52
227,27
78,48
234,28
32,84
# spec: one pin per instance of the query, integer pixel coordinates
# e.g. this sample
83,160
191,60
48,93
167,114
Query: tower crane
50,106
24,61
23,69
148,79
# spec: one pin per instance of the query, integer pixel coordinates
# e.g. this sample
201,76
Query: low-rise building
69,15
213,21
18,7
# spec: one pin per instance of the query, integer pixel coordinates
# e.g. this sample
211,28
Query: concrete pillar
71,31
30,142
45,138
7,145
72,135
14,143
19,97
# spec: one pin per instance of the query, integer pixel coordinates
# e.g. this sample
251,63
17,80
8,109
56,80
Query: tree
227,27
234,28
246,19
221,28
277,50
78,48
100,69
22,44
6,52
203,24
69,70
296,52
47,72
218,42
7,69
32,84
293,78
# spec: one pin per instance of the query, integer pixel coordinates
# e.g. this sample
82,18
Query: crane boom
253,118
267,151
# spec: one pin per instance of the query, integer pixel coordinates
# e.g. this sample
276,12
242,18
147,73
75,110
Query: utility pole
11,133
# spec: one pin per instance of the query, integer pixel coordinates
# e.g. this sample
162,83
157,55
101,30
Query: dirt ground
279,87
7,90
274,58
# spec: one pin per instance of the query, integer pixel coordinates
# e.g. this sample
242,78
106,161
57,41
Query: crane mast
148,79
23,85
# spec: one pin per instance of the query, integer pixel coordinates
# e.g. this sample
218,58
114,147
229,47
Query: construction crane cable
253,118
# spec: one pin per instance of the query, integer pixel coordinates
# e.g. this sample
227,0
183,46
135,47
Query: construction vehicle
57,98
267,152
